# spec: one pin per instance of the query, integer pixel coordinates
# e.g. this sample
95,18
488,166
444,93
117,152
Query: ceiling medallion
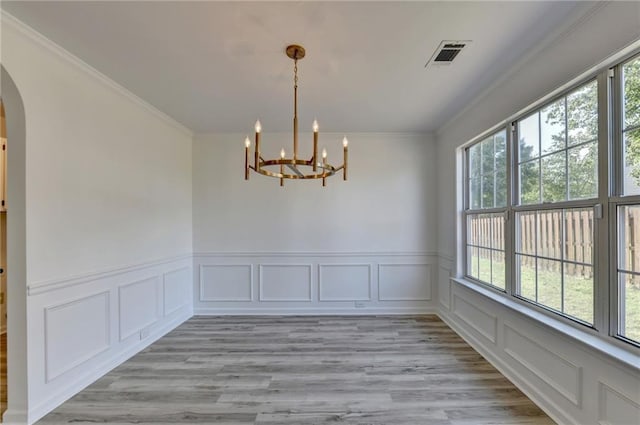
297,168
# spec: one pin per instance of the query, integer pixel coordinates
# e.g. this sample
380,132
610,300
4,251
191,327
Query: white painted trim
470,322
218,300
446,257
429,276
602,405
370,281
156,280
55,284
64,394
166,313
12,22
574,398
289,311
14,417
448,273
107,343
205,254
260,282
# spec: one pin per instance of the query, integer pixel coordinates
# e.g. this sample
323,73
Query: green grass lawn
578,293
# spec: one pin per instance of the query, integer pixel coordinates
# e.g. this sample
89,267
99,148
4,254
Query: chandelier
296,167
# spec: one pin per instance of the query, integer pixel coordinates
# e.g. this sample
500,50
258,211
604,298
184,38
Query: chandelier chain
295,72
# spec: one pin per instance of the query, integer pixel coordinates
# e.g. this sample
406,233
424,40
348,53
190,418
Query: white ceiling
217,66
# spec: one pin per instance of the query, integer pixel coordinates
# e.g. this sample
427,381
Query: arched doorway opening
16,279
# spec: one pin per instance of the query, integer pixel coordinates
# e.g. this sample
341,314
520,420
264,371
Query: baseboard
547,405
14,417
66,393
314,311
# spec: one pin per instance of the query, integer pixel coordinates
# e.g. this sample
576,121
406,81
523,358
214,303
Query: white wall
571,381
108,219
250,236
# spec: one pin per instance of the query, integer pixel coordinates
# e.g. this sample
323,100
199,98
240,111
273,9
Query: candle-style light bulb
258,126
315,126
282,153
247,142
324,153
345,142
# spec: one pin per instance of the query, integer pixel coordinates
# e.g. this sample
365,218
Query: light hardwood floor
373,370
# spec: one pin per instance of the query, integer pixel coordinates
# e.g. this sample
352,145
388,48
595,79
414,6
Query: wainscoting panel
320,282
344,282
226,282
82,327
444,286
617,408
176,288
559,373
138,305
404,282
486,324
285,282
88,337
572,382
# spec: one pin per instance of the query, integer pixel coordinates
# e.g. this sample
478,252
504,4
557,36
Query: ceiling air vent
446,52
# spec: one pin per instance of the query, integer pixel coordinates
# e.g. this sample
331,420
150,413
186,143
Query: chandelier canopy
297,168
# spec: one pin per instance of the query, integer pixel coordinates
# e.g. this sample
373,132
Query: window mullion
509,223
604,286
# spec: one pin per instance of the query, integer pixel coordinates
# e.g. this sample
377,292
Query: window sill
589,339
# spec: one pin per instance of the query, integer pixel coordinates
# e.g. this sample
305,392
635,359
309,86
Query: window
544,222
554,260
628,204
487,201
557,162
558,149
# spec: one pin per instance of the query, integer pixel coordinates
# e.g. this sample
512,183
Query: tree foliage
631,72
558,149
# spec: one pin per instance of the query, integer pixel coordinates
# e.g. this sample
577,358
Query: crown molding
10,21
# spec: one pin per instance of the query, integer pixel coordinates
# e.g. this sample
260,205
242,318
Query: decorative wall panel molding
444,287
486,324
62,330
404,282
616,408
344,282
80,330
175,289
285,282
568,380
138,306
321,283
556,371
226,282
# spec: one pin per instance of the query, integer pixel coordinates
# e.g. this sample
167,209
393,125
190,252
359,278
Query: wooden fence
574,246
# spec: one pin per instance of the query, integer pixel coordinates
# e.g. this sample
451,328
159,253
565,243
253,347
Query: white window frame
606,321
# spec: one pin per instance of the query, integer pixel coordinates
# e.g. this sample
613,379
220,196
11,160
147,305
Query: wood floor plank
307,370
